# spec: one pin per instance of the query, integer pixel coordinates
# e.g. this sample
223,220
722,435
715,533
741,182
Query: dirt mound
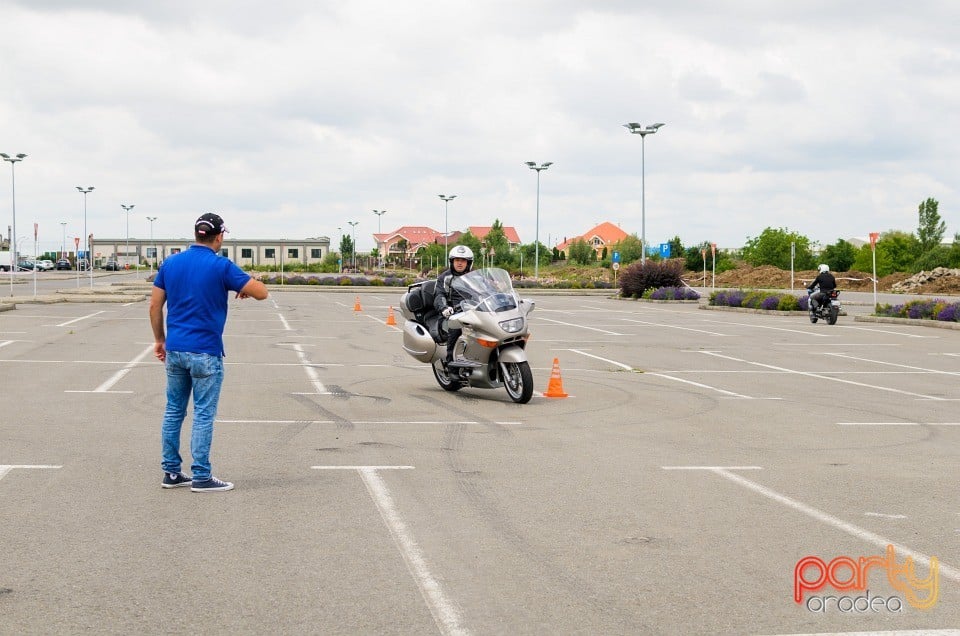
770,277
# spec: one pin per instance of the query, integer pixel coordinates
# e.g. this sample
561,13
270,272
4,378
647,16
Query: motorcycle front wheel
518,380
444,379
813,316
834,312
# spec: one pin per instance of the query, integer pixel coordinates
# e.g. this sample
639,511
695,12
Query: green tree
629,248
772,247
676,247
931,229
839,256
896,252
471,241
402,245
581,252
346,247
953,258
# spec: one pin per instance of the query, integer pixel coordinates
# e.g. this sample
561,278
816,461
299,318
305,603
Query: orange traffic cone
356,304
555,386
391,320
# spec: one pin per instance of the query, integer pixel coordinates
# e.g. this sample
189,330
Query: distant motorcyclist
447,298
821,286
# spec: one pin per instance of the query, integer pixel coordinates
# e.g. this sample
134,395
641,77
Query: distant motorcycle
828,309
491,351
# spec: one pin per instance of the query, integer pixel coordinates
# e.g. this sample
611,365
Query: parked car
83,264
63,263
45,265
26,265
112,265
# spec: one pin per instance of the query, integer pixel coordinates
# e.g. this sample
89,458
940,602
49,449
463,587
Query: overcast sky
293,117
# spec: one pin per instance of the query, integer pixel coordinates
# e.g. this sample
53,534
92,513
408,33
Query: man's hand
447,312
160,350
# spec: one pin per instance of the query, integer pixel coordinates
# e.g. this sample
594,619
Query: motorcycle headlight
514,325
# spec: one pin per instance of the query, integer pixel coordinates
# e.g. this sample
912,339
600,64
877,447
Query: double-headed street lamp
379,214
354,224
152,219
63,242
86,236
536,250
14,262
127,209
446,228
638,129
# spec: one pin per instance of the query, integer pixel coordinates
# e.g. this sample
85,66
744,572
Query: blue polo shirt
198,283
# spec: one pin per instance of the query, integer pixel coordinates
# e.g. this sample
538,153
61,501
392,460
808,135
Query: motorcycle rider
461,262
824,283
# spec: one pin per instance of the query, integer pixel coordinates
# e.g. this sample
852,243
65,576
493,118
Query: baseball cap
209,224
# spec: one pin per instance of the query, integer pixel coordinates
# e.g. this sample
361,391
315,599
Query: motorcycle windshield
487,289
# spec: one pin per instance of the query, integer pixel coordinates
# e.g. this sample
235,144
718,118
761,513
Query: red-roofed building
481,231
603,235
417,237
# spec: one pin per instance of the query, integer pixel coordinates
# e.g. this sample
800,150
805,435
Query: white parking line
613,362
826,377
660,324
898,423
570,324
116,377
864,535
895,333
444,612
6,342
286,325
6,468
706,386
366,422
70,322
800,331
310,371
890,364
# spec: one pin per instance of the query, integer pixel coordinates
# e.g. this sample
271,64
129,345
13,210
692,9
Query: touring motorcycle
828,309
491,352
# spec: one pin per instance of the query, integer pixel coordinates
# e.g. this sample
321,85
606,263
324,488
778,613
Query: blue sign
665,250
616,257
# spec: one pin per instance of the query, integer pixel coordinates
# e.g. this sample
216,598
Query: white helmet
462,251
824,268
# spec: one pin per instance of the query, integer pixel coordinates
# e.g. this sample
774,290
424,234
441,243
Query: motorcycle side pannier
418,342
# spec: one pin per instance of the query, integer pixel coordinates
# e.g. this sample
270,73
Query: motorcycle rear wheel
517,380
444,379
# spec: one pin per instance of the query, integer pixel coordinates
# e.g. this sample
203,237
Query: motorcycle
828,309
490,352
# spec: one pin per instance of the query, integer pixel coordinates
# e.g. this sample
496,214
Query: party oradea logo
846,574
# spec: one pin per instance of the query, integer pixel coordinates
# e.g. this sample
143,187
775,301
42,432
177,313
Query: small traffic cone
356,304
391,320
555,386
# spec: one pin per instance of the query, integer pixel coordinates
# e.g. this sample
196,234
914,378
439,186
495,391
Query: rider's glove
447,312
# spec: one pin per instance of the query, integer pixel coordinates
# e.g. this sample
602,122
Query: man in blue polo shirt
195,286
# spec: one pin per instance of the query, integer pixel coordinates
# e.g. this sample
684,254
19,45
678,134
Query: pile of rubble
915,282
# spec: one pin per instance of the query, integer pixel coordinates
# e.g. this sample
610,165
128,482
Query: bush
639,277
758,300
788,303
671,293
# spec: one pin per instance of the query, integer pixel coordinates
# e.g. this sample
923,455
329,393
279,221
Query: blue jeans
201,374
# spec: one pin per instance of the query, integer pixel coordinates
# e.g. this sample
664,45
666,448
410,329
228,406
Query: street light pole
340,248
379,214
446,227
63,241
638,129
14,262
536,249
354,224
127,208
86,237
152,219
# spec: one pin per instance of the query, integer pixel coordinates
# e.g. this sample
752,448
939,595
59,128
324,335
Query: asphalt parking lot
700,456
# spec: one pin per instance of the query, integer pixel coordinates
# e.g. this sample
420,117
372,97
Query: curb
917,322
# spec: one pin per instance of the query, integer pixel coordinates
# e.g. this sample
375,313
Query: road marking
891,364
883,515
310,371
444,612
6,468
613,362
116,377
70,322
895,632
895,333
712,388
826,377
658,324
367,422
6,342
383,322
746,324
864,535
286,325
570,324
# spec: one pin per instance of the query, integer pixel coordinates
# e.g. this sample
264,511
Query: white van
6,261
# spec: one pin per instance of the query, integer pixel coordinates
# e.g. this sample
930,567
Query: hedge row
759,300
936,309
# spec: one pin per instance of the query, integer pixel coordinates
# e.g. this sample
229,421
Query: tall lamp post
152,219
63,241
127,208
379,214
340,247
446,228
86,236
14,263
354,224
536,258
638,129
